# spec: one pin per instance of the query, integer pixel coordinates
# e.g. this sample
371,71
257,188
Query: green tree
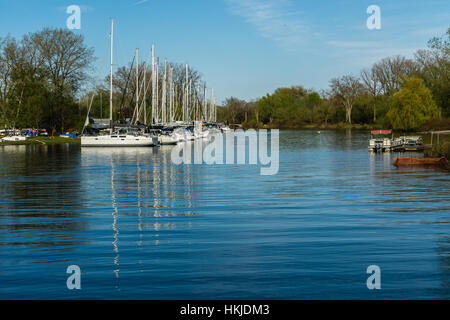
312,101
40,76
434,65
412,106
347,89
287,106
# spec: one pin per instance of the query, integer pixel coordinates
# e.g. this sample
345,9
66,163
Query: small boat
15,138
21,135
380,143
166,136
407,161
68,135
42,132
412,143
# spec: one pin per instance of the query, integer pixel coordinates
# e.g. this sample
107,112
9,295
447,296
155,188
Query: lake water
140,227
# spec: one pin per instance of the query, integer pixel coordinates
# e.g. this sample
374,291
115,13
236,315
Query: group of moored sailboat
194,119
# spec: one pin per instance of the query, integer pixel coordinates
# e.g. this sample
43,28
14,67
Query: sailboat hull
167,140
15,138
118,141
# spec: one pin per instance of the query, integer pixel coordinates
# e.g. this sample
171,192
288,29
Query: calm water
140,227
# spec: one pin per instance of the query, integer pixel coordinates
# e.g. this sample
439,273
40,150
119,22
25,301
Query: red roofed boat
379,142
381,131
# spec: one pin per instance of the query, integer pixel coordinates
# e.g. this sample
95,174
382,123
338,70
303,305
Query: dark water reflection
140,227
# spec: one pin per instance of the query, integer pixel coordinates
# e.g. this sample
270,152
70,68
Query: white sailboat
126,137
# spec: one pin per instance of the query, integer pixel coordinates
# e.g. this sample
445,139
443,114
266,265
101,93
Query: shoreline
310,126
41,141
432,125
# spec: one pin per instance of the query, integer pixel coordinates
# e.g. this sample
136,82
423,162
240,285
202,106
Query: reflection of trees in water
41,190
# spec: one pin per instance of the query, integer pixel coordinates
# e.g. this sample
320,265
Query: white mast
164,94
213,105
170,94
205,106
176,98
137,84
145,94
210,116
197,101
183,107
189,101
190,104
111,80
153,85
186,97
157,90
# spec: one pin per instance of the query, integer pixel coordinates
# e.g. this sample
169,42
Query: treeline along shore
47,81
395,92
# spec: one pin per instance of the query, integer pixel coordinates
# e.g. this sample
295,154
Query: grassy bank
42,141
441,149
438,150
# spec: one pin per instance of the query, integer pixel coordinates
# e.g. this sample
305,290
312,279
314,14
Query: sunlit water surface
140,227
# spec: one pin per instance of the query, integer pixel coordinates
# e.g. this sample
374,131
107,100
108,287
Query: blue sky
244,48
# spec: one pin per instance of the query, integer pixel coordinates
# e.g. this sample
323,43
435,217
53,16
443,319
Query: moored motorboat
380,143
412,143
15,138
68,135
19,135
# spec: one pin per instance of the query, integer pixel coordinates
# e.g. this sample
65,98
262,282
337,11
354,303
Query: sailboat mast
164,94
213,106
186,92
189,111
111,80
210,116
145,94
197,101
137,84
157,90
153,86
170,94
205,106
